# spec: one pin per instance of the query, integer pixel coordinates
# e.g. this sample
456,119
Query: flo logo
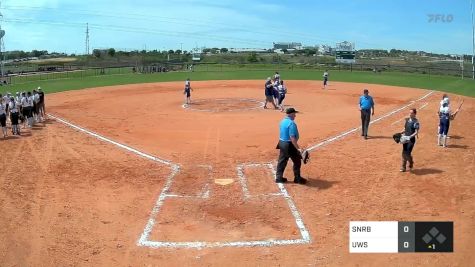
442,18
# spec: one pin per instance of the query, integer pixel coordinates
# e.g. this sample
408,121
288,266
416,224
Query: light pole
473,41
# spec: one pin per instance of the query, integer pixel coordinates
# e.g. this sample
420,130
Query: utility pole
473,41
87,39
2,46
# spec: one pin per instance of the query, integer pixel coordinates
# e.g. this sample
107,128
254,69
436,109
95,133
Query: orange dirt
71,199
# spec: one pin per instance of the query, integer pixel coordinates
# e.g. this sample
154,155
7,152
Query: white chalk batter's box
198,209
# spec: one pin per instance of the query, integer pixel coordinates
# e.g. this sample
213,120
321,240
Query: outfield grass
448,84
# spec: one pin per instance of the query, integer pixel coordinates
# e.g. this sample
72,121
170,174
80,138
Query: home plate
223,181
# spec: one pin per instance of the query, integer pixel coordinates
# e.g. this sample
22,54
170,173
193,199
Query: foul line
144,237
105,139
332,139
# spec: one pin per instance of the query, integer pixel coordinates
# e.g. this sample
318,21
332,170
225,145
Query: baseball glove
401,139
305,156
397,137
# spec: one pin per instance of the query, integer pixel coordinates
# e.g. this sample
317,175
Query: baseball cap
268,79
365,91
291,110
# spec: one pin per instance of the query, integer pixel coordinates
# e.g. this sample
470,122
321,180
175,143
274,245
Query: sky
439,26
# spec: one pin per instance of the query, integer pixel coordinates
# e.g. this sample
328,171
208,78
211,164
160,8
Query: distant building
324,50
292,45
247,50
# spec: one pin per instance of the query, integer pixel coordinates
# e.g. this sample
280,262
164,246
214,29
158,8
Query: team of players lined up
26,108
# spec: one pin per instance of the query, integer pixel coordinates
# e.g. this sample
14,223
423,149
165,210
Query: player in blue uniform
187,91
269,93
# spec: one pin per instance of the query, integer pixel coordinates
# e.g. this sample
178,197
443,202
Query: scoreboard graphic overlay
399,237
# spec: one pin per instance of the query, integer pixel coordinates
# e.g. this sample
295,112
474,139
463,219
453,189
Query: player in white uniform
36,104
25,109
282,91
14,115
277,77
3,116
30,104
445,99
325,79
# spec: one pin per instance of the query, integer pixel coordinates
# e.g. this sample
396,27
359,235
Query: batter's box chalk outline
305,236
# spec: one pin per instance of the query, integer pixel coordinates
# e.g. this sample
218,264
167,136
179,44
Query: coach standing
289,148
366,109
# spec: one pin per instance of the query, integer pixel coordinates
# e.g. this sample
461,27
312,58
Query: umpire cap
291,110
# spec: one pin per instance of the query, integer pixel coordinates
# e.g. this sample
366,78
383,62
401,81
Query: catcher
408,139
289,148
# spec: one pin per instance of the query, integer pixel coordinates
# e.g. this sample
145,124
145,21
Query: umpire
289,148
366,105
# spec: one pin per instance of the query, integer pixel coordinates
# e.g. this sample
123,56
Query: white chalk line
339,136
255,243
298,219
421,107
105,139
242,181
144,237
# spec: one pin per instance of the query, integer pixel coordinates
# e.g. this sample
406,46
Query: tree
178,51
96,53
111,52
170,51
224,50
252,57
285,50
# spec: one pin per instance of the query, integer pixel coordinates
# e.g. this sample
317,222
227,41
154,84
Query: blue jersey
366,102
288,129
269,89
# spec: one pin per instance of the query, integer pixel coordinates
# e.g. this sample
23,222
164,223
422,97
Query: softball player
411,129
42,103
444,123
275,93
269,93
325,79
3,116
277,77
25,109
36,103
187,92
14,115
282,91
